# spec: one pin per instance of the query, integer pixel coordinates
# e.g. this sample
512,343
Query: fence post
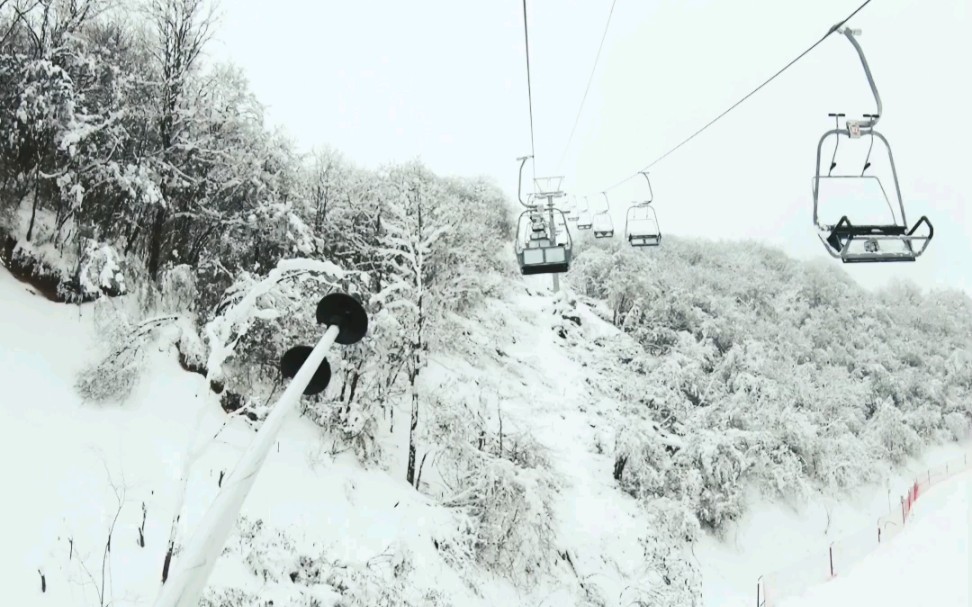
830,549
759,586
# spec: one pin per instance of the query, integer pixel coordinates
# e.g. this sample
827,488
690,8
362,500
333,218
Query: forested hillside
127,166
566,448
762,369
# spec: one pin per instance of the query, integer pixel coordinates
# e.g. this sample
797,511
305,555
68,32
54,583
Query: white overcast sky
445,81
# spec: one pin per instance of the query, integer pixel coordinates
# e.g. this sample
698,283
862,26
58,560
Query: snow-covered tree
413,226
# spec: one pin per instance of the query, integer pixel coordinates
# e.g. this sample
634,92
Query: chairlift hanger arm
872,122
651,194
519,183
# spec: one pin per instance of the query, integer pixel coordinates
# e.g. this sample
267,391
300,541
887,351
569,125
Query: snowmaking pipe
347,324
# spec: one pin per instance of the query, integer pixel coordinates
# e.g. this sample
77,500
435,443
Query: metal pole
185,586
553,239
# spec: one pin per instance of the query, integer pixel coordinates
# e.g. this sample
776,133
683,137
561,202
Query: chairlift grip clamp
854,128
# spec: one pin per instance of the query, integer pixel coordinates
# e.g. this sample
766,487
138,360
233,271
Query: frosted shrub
113,376
101,269
127,325
704,475
307,577
927,422
675,580
230,597
672,518
892,434
354,426
958,424
778,469
640,462
721,465
466,429
844,461
511,532
720,505
501,485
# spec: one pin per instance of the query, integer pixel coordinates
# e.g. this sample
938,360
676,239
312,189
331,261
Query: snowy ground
926,564
771,535
65,450
64,461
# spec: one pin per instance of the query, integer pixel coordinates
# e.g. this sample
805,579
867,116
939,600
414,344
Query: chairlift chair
641,225
537,252
641,222
540,247
584,219
601,222
867,243
570,210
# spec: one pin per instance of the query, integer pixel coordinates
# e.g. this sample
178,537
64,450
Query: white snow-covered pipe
192,568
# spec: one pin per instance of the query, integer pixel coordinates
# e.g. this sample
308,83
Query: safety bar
894,173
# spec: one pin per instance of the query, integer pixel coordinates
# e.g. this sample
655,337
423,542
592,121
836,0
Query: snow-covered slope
72,457
320,529
926,564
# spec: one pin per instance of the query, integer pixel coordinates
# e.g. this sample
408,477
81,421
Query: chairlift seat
641,224
644,240
550,259
842,236
603,233
537,252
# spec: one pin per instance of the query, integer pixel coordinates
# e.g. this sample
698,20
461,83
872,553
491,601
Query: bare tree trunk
410,472
155,242
33,210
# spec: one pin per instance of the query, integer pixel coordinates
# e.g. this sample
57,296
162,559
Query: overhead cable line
831,31
587,89
526,38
